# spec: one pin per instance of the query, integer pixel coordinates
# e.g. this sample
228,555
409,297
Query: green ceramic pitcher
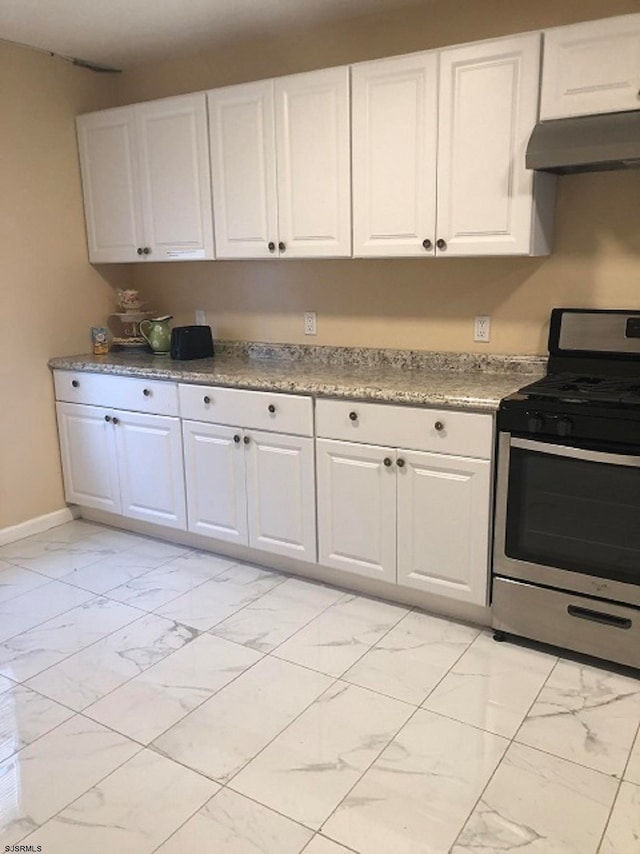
157,333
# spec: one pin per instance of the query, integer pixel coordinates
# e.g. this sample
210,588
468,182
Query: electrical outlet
310,323
482,328
201,317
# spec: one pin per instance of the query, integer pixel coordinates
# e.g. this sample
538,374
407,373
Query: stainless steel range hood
586,144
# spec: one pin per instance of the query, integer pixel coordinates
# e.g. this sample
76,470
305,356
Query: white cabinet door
488,108
150,467
313,157
243,170
394,111
215,481
281,494
174,173
592,67
88,452
443,525
109,166
357,508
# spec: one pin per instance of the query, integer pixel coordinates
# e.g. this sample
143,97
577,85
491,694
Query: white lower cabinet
397,493
89,457
417,517
443,525
357,508
215,480
123,462
252,488
150,468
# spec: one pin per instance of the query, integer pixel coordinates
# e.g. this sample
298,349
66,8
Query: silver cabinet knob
439,426
75,383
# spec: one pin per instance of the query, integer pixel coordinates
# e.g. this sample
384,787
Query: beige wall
49,294
422,303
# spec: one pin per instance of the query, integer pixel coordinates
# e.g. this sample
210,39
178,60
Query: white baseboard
38,525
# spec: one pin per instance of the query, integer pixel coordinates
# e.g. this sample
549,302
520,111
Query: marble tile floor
156,698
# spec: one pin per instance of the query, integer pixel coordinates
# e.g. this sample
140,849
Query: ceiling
121,33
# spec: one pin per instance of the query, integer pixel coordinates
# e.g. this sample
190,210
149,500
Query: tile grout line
398,731
513,740
620,782
198,633
92,597
328,688
77,798
506,750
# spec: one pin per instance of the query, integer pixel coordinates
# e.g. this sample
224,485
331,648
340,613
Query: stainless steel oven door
568,518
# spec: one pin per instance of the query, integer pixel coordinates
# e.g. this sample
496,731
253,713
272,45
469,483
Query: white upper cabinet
109,164
174,178
280,166
145,177
593,67
394,117
488,202
243,170
439,143
313,144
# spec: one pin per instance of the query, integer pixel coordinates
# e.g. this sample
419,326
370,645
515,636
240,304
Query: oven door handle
576,453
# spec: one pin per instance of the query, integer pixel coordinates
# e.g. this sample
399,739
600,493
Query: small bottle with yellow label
99,337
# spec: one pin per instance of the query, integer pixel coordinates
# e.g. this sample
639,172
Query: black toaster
191,342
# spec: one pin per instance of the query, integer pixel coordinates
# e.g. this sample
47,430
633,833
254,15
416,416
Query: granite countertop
460,380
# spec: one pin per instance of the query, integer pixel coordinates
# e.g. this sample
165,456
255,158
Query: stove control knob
565,427
535,422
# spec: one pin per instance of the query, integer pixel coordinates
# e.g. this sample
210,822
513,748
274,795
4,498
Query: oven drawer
590,626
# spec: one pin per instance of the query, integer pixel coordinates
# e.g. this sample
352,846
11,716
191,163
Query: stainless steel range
566,568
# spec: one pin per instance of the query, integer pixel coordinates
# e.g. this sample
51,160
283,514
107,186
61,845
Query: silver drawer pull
599,617
206,399
439,425
75,383
146,392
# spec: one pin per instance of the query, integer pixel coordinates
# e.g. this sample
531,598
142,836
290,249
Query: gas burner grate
585,389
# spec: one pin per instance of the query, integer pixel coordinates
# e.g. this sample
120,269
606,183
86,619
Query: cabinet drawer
467,434
137,395
261,410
